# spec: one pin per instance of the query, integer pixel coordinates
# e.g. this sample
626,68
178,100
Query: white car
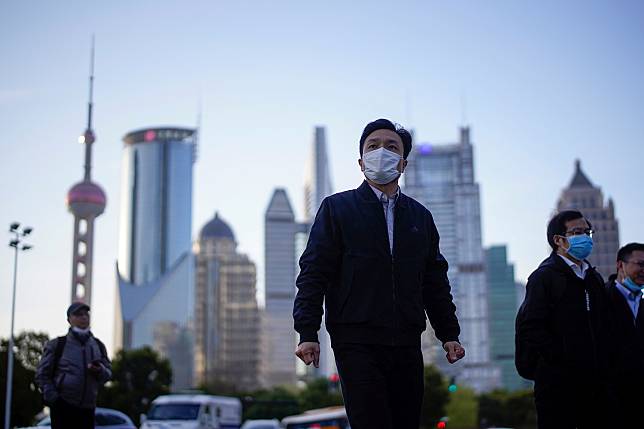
262,424
104,418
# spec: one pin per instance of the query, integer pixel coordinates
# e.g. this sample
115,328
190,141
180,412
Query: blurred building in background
285,240
280,235
503,306
582,195
226,321
317,186
155,266
86,200
441,177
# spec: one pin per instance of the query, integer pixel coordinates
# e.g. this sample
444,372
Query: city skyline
537,92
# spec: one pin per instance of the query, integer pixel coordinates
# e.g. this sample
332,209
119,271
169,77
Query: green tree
511,409
138,377
26,400
275,403
319,393
462,409
435,397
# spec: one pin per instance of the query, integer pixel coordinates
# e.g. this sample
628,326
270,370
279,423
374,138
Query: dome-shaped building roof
216,228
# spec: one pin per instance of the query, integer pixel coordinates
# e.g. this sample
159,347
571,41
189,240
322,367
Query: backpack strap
101,347
58,353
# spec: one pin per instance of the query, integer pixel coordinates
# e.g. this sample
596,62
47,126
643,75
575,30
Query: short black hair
386,124
557,225
626,251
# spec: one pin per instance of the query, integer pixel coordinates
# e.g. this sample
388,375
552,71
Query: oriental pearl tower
86,201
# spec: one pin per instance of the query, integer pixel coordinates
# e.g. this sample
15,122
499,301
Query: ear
562,242
403,166
361,164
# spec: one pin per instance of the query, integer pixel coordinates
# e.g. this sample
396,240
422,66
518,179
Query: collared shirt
632,298
579,271
388,205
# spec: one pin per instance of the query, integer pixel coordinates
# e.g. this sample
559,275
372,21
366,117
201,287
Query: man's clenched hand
309,352
454,350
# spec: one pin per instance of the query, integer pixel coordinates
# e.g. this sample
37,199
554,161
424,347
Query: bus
323,418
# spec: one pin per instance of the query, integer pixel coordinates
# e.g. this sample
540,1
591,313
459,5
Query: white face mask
381,166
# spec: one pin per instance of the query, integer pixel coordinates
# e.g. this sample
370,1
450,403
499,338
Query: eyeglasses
638,263
579,231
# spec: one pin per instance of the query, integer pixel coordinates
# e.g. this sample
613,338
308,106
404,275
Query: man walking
562,324
71,370
373,257
627,334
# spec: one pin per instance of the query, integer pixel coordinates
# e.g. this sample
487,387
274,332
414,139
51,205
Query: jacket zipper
84,375
393,291
590,328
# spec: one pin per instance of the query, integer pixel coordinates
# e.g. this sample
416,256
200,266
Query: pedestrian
562,324
71,370
624,292
373,257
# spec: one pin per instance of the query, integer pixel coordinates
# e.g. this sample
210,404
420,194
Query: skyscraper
503,307
317,186
285,239
280,230
441,177
582,195
86,201
227,325
155,267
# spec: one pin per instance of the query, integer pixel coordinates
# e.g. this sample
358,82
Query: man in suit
624,292
373,257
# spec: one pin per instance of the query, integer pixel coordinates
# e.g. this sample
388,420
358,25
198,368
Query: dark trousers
382,386
571,405
67,416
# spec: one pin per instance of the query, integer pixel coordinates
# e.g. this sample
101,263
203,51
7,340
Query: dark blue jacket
370,295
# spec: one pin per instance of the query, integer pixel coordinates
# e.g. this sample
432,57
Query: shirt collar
627,292
573,265
379,193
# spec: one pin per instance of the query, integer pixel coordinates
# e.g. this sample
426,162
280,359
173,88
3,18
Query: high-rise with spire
86,201
582,195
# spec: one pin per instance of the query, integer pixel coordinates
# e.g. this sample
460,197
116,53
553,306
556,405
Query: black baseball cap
76,306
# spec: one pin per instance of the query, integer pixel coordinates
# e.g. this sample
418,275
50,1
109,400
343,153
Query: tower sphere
85,199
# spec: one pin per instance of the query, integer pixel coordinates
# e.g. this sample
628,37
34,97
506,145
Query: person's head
630,263
384,147
78,315
570,234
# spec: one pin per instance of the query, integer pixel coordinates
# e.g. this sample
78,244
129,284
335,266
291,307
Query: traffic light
452,385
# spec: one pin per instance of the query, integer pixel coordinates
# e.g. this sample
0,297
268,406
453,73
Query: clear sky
540,83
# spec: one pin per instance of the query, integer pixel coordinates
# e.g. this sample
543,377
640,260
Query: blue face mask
632,286
580,246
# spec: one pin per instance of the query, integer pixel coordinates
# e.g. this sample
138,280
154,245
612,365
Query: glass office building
155,266
441,177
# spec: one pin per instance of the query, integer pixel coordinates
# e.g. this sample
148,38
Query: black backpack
526,358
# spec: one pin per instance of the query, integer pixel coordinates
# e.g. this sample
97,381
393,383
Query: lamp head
13,227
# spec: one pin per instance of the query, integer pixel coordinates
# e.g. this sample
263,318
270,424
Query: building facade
317,186
226,322
502,303
155,266
582,195
280,231
441,177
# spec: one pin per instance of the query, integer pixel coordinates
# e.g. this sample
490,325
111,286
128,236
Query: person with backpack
71,370
624,291
561,336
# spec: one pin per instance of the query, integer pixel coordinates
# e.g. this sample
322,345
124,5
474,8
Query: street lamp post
17,244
